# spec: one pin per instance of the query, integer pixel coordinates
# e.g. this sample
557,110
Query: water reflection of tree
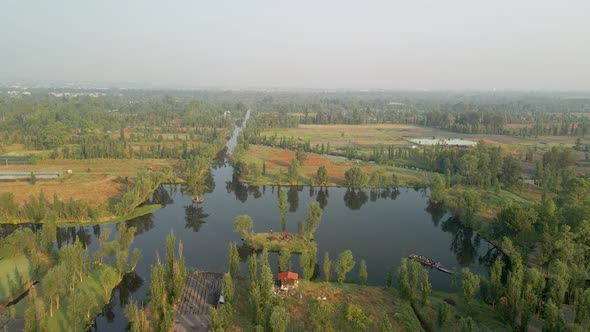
67,235
293,198
436,211
220,159
355,199
130,284
242,191
464,244
244,252
375,194
160,196
322,197
492,253
142,224
194,217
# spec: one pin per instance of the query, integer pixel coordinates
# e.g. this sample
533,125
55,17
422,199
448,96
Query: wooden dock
12,324
200,290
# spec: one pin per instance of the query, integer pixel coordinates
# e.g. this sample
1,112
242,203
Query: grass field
275,242
15,273
376,134
278,160
95,181
375,302
91,286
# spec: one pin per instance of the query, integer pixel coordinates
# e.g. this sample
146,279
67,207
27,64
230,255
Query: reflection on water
293,198
194,216
354,199
465,242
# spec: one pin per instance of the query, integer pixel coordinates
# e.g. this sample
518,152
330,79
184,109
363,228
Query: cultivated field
277,162
95,180
396,134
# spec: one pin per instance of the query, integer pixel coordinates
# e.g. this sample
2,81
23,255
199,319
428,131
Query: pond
380,226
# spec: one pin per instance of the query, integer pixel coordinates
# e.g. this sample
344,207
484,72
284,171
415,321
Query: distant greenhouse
441,141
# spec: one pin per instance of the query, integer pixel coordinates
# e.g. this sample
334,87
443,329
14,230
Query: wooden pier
201,289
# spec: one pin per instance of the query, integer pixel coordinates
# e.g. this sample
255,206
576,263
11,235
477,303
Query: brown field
341,135
374,301
278,160
95,180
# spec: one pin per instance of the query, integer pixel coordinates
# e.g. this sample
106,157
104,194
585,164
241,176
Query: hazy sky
410,44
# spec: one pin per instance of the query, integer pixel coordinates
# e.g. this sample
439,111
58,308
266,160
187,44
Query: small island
282,241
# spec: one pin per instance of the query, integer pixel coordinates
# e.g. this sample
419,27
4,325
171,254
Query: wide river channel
380,226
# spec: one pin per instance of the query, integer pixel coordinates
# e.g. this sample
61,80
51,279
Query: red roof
288,275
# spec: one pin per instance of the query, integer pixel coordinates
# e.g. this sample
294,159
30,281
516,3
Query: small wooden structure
198,199
202,290
288,279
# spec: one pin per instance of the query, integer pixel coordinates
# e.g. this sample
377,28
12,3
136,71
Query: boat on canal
429,263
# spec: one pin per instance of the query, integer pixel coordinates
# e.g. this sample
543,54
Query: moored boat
198,199
429,263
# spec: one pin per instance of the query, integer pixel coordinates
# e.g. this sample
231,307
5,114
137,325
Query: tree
135,257
355,177
425,286
320,314
252,273
282,208
513,220
234,260
443,313
496,280
363,275
279,319
389,278
308,261
293,172
468,325
220,318
284,256
414,269
582,306
322,176
228,287
266,281
48,234
344,264
354,314
554,320
438,192
470,284
403,281
314,217
301,156
327,266
243,223
108,279
170,243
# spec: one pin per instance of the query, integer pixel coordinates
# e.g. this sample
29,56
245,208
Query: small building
288,279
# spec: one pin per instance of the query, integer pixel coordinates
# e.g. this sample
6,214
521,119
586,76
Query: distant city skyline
389,45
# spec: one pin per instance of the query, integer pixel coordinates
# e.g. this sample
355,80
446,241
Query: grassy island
275,242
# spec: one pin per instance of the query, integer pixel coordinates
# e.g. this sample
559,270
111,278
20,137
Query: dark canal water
378,226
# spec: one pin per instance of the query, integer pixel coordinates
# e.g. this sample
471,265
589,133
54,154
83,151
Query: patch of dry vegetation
94,180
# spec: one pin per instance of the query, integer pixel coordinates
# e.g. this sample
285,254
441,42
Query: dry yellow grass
94,180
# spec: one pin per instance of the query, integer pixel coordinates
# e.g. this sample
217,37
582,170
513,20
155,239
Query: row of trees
166,290
74,266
